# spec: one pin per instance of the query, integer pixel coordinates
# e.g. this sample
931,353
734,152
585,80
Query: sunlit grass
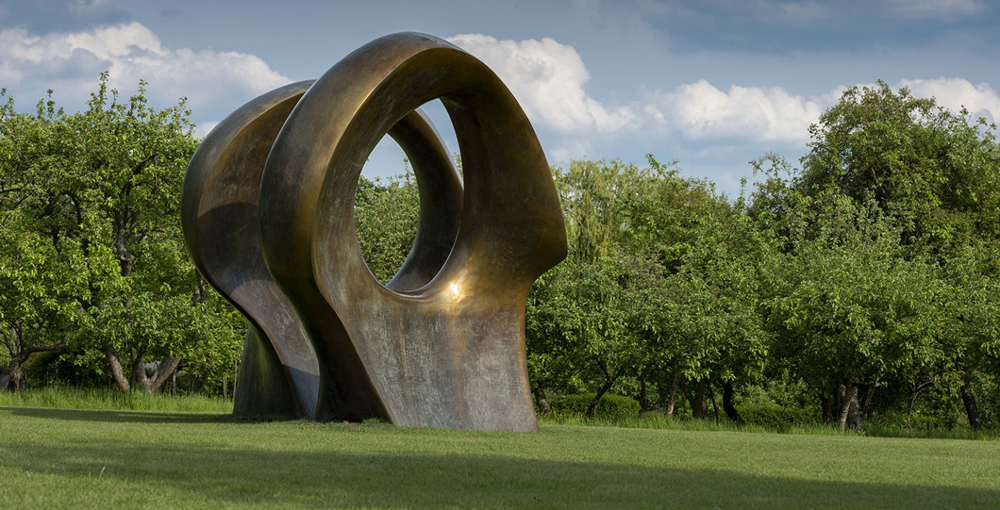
78,398
659,422
61,458
107,399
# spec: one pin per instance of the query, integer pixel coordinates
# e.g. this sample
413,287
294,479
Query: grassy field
63,458
79,398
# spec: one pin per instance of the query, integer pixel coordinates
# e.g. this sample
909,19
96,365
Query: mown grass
658,422
80,398
63,458
107,399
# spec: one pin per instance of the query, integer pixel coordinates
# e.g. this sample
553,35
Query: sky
711,84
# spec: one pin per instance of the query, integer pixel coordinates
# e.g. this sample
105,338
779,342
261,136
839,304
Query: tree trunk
971,407
14,378
727,403
196,382
672,402
609,381
915,393
139,377
827,404
592,410
854,414
643,396
847,397
697,400
173,384
867,406
715,405
164,370
17,376
115,368
236,374
542,401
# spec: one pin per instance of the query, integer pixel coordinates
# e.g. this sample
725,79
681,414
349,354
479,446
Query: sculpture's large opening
408,201
386,209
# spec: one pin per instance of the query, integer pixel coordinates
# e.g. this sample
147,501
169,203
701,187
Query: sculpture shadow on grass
128,416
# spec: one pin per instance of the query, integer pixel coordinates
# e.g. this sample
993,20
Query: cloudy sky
710,83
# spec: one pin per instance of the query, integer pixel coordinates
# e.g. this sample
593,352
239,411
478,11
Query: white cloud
954,93
71,61
700,111
549,80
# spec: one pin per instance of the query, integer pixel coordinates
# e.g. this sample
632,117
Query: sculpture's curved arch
449,353
280,373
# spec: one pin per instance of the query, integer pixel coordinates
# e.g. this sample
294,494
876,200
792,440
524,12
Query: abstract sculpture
267,211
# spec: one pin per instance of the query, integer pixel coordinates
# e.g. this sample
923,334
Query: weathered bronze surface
268,215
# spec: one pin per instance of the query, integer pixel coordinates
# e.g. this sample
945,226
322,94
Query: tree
711,310
41,275
98,194
972,276
648,251
847,311
584,317
935,173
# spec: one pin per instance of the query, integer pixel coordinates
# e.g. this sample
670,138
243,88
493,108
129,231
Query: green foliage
91,253
875,268
888,249
385,219
937,172
610,406
659,279
775,417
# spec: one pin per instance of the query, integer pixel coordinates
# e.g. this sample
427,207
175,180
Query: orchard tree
711,312
619,312
936,174
43,272
585,318
102,187
972,276
38,312
849,312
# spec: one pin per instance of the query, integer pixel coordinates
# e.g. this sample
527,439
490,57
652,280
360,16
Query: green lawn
56,458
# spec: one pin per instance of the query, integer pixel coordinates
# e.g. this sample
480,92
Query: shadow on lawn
120,416
325,477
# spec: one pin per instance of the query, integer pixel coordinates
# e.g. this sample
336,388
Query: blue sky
710,83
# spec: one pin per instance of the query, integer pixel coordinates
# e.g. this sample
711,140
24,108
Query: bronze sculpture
268,218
